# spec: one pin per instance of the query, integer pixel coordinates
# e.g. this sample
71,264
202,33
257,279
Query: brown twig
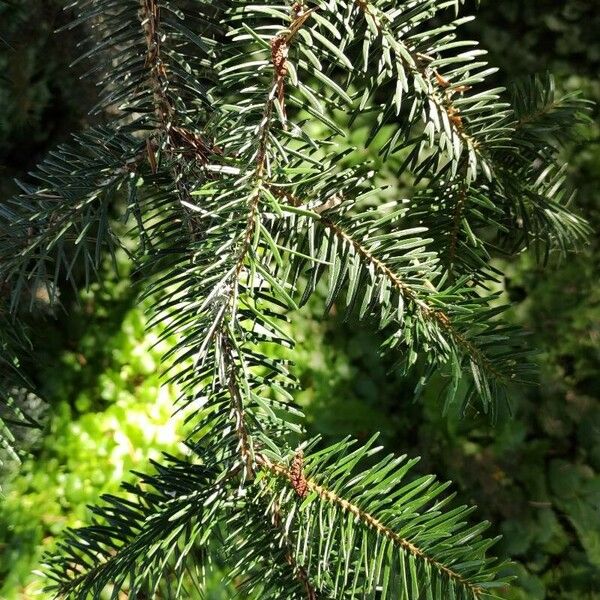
150,20
298,570
280,46
237,406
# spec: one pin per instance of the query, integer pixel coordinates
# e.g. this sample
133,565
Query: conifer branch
423,295
216,103
366,519
429,312
440,91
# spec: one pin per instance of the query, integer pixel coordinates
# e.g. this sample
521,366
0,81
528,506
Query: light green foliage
109,414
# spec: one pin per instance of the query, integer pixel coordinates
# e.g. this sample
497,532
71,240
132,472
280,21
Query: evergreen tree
235,212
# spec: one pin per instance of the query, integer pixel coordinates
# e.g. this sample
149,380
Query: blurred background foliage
534,474
108,414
